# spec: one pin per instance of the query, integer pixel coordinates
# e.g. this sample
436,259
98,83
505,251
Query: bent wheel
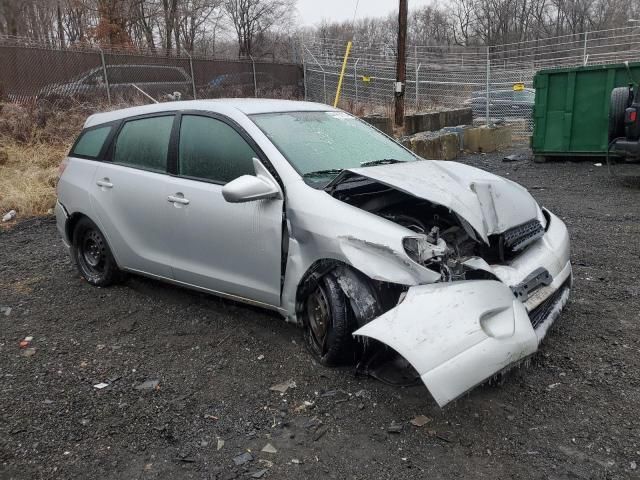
328,323
92,255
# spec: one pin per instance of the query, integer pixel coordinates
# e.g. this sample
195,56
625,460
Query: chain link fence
495,81
32,73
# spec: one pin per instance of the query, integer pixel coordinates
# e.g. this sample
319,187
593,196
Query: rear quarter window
90,142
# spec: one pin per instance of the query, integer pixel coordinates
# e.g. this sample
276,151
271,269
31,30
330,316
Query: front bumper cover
457,335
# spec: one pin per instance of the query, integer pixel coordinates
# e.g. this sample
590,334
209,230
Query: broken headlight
420,250
434,256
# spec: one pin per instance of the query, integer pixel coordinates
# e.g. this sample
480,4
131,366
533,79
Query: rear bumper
61,222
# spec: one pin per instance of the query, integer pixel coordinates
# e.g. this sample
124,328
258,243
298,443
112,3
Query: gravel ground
209,364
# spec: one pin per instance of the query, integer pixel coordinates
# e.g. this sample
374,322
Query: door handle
104,183
176,199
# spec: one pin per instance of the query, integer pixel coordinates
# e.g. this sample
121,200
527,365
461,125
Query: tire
620,100
91,253
329,323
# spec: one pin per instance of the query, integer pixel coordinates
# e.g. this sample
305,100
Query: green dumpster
571,113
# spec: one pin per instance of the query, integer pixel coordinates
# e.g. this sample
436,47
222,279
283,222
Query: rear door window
209,149
144,143
90,142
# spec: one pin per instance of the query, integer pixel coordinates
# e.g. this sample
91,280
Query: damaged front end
499,274
457,335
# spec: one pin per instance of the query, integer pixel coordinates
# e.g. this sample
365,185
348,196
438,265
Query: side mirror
249,188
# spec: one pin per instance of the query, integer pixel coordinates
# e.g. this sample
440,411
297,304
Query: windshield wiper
323,173
384,161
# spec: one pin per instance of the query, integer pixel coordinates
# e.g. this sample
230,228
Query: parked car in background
308,211
155,80
242,80
503,103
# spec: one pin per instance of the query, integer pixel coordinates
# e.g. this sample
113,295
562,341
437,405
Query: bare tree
193,16
10,11
430,25
169,14
145,15
251,18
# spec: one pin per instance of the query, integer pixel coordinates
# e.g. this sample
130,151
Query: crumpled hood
491,204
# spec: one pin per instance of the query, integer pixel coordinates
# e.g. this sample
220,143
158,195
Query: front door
232,248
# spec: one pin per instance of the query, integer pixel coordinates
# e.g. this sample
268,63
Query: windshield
319,145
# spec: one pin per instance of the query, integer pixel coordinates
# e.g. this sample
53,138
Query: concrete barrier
486,139
424,122
447,143
434,145
434,121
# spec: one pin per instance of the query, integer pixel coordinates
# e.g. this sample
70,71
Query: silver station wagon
308,211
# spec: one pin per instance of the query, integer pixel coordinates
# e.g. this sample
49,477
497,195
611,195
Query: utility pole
401,71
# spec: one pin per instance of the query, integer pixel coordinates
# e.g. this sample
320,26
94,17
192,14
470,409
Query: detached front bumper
457,335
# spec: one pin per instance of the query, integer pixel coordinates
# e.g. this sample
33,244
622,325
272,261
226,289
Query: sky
311,12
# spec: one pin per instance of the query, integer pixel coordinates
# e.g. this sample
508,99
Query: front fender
456,335
384,263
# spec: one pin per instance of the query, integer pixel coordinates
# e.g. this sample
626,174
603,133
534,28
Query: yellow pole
344,67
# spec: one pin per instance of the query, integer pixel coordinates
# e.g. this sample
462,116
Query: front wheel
329,323
92,255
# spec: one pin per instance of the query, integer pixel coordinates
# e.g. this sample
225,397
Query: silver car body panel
226,247
320,228
134,215
491,204
456,335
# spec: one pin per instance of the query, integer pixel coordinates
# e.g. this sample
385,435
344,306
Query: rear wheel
92,255
329,323
620,100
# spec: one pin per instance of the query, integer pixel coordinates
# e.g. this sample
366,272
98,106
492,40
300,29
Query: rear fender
456,335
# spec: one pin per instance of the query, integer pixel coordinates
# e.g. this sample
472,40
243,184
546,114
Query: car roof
493,90
247,106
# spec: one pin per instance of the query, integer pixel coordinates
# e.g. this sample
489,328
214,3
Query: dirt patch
189,375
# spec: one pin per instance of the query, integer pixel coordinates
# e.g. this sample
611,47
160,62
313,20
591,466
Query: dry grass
34,139
33,142
29,176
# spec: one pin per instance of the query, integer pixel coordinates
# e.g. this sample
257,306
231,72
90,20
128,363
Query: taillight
633,116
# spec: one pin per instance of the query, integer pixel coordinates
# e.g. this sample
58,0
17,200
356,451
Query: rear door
130,195
231,248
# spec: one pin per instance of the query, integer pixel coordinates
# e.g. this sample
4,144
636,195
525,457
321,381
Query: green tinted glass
328,141
212,150
144,143
91,142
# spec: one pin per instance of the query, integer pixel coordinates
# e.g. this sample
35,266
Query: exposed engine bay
444,240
